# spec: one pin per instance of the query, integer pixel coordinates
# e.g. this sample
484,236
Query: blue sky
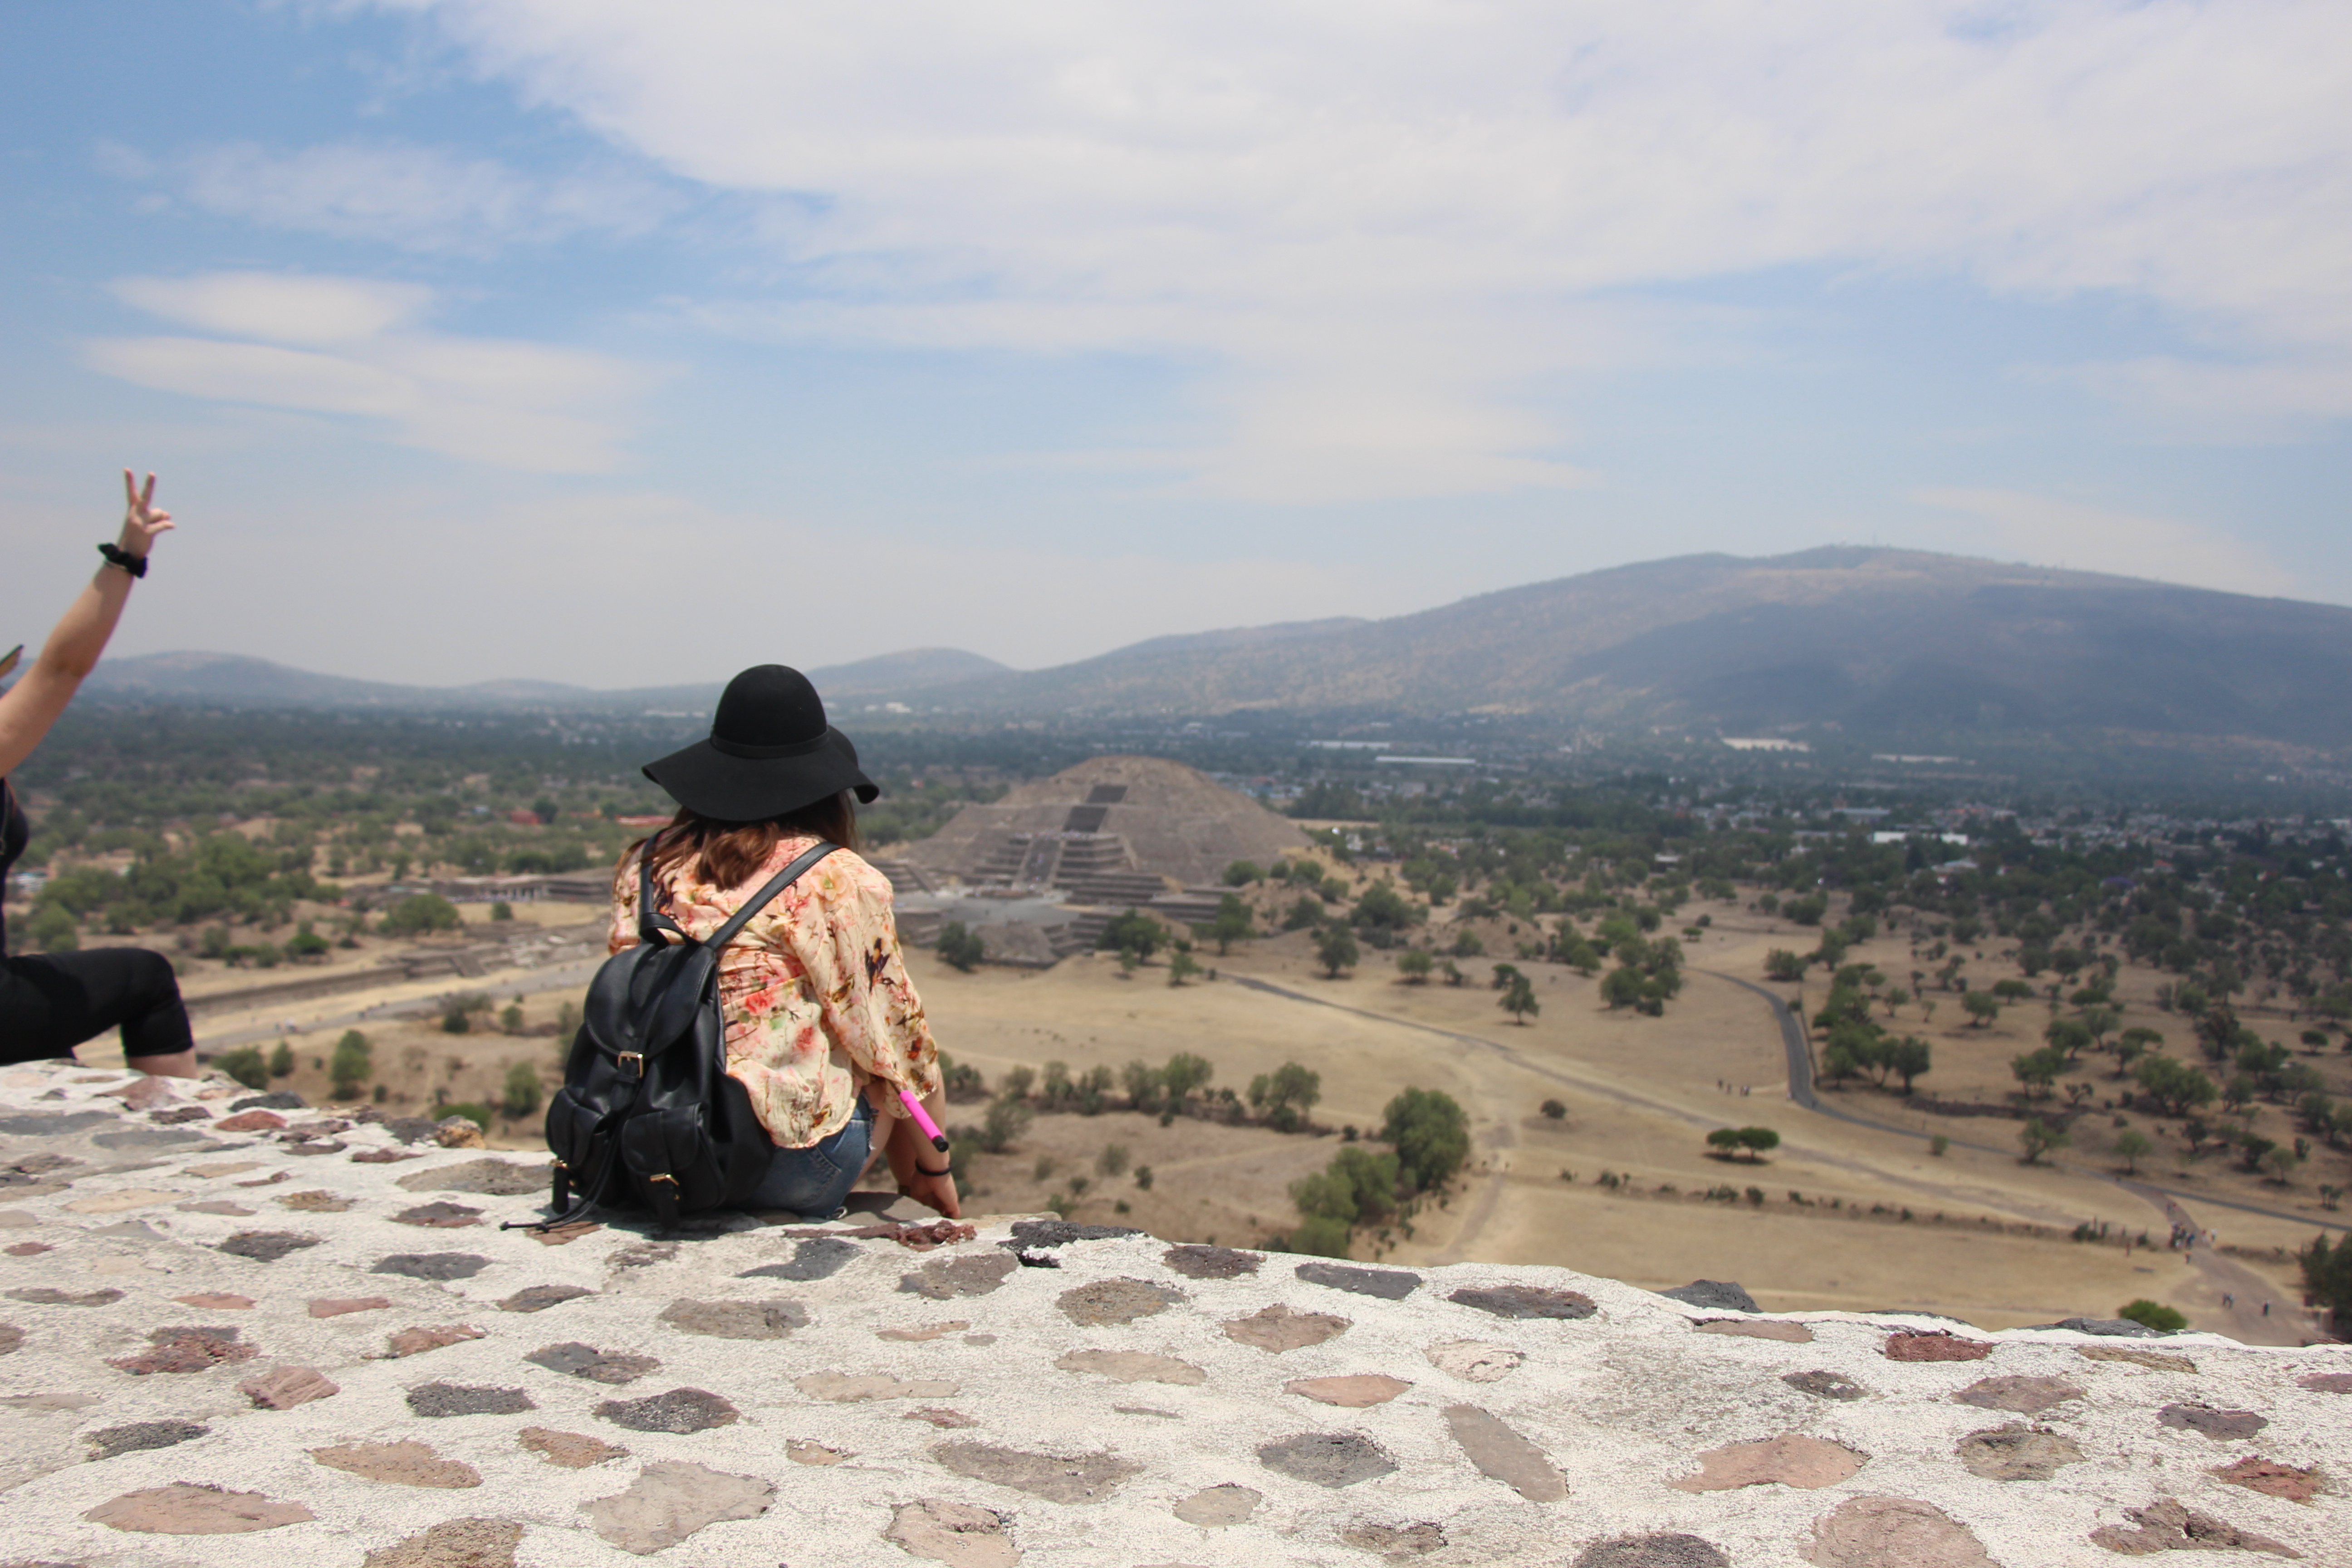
618,342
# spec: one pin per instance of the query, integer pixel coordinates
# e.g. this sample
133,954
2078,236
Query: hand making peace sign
141,523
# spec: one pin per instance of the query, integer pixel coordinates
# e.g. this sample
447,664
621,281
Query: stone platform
225,1340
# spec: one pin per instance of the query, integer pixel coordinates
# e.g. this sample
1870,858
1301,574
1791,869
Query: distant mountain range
1881,642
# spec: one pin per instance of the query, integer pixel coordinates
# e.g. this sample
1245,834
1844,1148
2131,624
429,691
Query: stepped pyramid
1112,830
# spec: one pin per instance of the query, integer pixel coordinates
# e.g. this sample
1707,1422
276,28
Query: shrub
306,944
520,1097
960,947
1143,1178
1285,1095
1316,1238
350,1065
501,911
2154,1315
1553,1110
963,1081
1007,1119
419,914
1431,1137
245,1065
281,1060
1784,966
1112,1161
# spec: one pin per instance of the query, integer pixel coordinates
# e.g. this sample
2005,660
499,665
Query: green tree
306,944
1242,873
2328,1274
2069,1035
501,911
245,1065
1317,1238
1980,1007
1759,1141
1382,909
1414,964
1184,1075
1007,1119
350,1064
420,913
1230,924
2154,1315
1724,1140
281,1060
2132,1044
2012,991
1305,914
1431,1137
1181,966
960,947
2133,1146
2037,1070
1285,1095
2176,1087
1335,950
1553,1111
2039,1138
520,1095
1466,944
1518,998
1784,966
1134,933
1911,1058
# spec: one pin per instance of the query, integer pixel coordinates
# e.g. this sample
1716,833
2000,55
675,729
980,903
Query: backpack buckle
635,1061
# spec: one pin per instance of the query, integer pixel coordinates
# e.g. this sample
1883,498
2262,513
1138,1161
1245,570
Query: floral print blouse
814,992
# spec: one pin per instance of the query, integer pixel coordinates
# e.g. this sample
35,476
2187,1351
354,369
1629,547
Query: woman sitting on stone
50,1003
824,1027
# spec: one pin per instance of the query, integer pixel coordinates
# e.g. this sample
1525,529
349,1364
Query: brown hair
729,854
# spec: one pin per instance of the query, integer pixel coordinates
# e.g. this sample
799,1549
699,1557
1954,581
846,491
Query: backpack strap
651,921
760,900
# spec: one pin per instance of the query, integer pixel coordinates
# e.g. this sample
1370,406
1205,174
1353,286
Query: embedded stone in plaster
1387,1284
572,1450
2327,1383
2272,1478
434,1266
276,1099
736,1320
670,1500
221,1207
1213,1508
1757,1328
1666,1550
1134,1366
2154,1361
1894,1533
1041,1234
123,1201
1212,1262
12,1339
185,1351
250,1121
183,1510
1910,1346
1398,1543
1502,1454
1474,1361
453,1543
417,1340
338,1306
287,1387
540,1298
319,1202
215,1301
1326,1458
819,1258
491,1178
1715,1295
1056,1478
944,1279
2022,1396
406,1464
845,1388
1825,1384
142,1435
2166,1525
267,1246
1278,1329
955,1533
1788,1459
2017,1453
50,1295
801,1451
440,1399
1359,1391
1525,1301
1105,1302
2217,1425
384,1156
578,1360
917,1336
940,1416
680,1411
439,1216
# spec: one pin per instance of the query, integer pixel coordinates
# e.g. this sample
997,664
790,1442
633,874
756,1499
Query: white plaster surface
1622,1404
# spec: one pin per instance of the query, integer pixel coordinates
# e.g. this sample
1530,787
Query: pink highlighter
923,1120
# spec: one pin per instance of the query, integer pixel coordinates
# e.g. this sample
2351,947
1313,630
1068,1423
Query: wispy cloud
1420,203
350,348
2047,532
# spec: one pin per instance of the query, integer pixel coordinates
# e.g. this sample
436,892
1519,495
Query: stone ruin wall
234,1336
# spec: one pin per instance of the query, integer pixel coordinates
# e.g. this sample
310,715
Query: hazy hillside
1885,641
916,670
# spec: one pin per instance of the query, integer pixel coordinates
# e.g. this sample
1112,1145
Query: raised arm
30,708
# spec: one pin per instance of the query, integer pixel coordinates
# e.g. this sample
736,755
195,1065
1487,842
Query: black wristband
944,1170
118,556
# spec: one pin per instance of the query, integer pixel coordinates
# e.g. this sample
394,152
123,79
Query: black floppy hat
770,752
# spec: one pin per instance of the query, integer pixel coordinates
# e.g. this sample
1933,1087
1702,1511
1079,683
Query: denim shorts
812,1182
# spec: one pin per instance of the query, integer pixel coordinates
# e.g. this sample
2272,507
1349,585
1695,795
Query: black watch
118,556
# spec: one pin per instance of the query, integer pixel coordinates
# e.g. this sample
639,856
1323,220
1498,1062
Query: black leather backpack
647,1110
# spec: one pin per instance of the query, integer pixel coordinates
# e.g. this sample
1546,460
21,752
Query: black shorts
50,1003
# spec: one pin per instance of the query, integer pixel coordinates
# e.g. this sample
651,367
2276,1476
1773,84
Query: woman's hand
141,523
932,1191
